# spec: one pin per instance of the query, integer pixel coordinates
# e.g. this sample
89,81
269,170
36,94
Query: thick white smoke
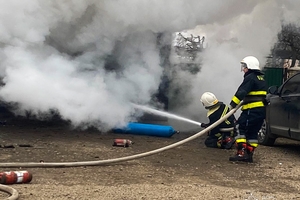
54,53
249,33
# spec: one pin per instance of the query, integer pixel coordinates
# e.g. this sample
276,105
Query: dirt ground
190,171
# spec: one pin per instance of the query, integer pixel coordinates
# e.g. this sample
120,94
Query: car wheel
264,135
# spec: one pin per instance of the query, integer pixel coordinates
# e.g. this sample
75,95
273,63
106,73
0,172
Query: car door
293,103
278,115
284,109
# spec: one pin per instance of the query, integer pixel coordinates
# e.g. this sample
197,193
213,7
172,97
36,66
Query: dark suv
283,112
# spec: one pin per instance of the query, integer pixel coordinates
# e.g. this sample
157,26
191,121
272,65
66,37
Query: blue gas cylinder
147,129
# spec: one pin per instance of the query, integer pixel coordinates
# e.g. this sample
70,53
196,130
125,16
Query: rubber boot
228,142
250,151
242,154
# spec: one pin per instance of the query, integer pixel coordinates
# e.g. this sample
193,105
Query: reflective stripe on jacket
214,114
252,91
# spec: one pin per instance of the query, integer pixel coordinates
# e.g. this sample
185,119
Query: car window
291,86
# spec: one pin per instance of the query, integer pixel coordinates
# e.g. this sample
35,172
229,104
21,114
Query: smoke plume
89,60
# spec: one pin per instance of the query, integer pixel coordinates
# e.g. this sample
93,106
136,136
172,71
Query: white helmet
250,62
208,99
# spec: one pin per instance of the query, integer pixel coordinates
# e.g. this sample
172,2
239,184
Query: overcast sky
39,40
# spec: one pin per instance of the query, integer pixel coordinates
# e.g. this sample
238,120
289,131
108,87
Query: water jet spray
165,114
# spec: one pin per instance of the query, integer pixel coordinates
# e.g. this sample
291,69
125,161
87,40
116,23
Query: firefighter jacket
252,91
214,114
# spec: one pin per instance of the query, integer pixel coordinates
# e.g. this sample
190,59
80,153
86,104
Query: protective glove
232,105
203,125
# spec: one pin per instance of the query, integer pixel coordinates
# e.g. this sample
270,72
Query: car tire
264,135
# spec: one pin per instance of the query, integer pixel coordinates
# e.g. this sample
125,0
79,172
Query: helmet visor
243,65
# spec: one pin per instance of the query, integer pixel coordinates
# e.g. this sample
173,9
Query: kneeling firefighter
222,136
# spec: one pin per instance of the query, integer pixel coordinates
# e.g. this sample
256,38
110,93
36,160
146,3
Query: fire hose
13,192
122,159
108,161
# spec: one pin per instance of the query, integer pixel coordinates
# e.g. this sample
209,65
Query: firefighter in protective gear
221,136
252,92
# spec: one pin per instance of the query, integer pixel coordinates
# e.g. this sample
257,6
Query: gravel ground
190,171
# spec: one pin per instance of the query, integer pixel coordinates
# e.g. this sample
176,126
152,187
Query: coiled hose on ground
13,192
115,160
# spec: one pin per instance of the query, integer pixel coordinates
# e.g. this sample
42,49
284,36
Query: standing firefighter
253,92
221,136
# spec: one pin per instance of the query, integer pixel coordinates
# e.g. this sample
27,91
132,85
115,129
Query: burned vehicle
283,112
